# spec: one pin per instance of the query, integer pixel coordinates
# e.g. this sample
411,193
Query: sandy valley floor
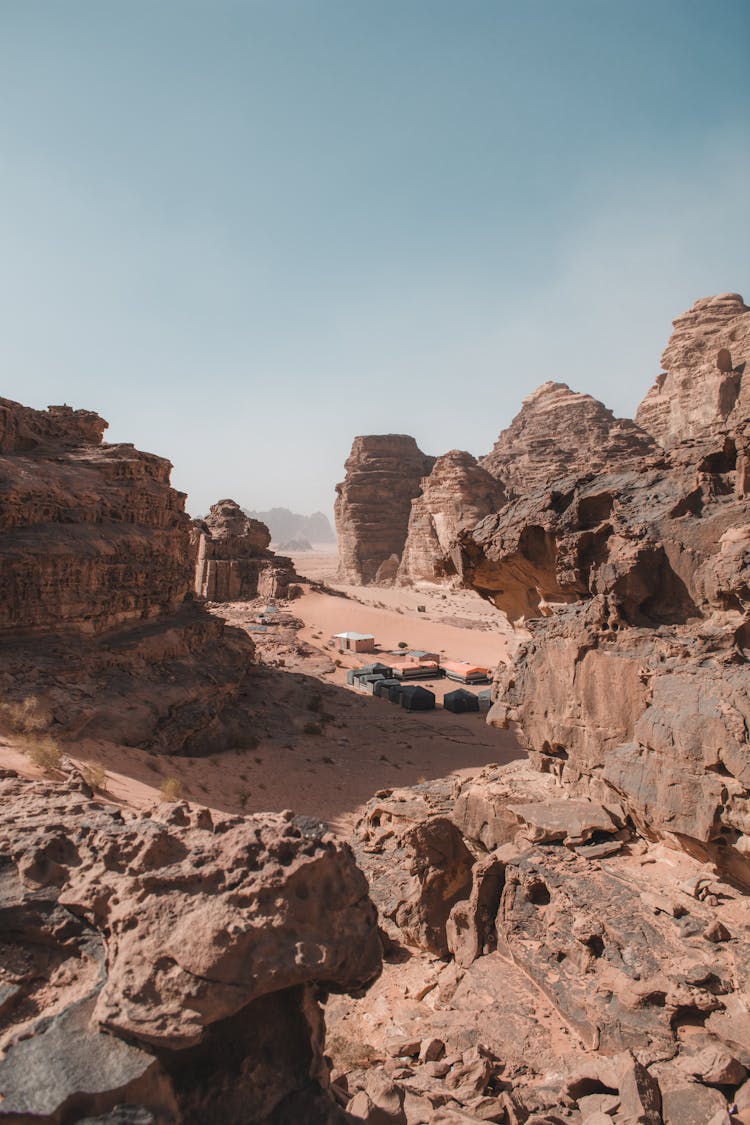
322,748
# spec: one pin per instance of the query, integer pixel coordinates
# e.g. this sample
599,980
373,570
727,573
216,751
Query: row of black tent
376,680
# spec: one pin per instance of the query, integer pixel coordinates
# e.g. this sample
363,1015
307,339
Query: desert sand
323,748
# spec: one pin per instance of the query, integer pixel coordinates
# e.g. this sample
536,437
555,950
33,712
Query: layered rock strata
701,390
92,536
172,961
97,619
456,495
635,584
373,504
233,560
559,432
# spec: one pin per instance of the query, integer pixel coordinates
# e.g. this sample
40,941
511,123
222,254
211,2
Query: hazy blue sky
246,231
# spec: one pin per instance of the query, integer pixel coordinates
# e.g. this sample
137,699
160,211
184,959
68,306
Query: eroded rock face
559,432
456,495
589,974
92,536
373,505
703,387
170,960
233,562
97,621
635,584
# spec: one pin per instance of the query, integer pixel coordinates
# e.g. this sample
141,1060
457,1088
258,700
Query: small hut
485,699
354,642
383,687
460,701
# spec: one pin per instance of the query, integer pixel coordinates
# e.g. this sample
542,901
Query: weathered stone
456,495
373,504
233,561
181,956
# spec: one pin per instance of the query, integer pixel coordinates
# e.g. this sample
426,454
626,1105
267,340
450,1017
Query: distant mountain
285,525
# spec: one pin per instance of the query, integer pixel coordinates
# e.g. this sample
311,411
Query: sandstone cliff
92,536
456,495
701,390
171,962
634,579
559,432
373,505
233,561
97,619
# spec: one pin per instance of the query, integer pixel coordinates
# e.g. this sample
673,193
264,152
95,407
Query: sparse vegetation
312,728
44,753
95,775
171,789
403,644
26,717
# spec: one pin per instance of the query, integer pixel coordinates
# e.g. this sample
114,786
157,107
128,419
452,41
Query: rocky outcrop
233,562
456,495
703,388
97,618
172,961
635,584
587,975
373,504
559,433
92,536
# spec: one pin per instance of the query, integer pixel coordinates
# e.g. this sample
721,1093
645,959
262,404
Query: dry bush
95,776
26,717
171,789
312,728
44,753
403,644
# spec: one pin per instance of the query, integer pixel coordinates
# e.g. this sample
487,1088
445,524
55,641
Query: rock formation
635,584
233,562
701,390
560,968
172,961
559,432
285,525
456,495
97,618
373,504
92,535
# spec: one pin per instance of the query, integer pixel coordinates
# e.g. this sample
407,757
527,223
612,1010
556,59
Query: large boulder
173,959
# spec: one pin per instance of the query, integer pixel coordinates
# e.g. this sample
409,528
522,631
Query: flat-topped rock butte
541,938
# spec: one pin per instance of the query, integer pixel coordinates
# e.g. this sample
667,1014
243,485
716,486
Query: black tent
459,701
394,691
415,698
369,669
382,687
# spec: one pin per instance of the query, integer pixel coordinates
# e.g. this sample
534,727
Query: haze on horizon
246,232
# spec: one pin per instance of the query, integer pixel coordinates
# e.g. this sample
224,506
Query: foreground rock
373,504
574,969
173,961
233,560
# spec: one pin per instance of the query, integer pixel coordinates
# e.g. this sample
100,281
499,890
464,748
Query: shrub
315,702
45,753
312,728
95,776
403,644
171,789
26,717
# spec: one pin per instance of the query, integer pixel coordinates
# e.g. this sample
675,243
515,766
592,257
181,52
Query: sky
245,231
